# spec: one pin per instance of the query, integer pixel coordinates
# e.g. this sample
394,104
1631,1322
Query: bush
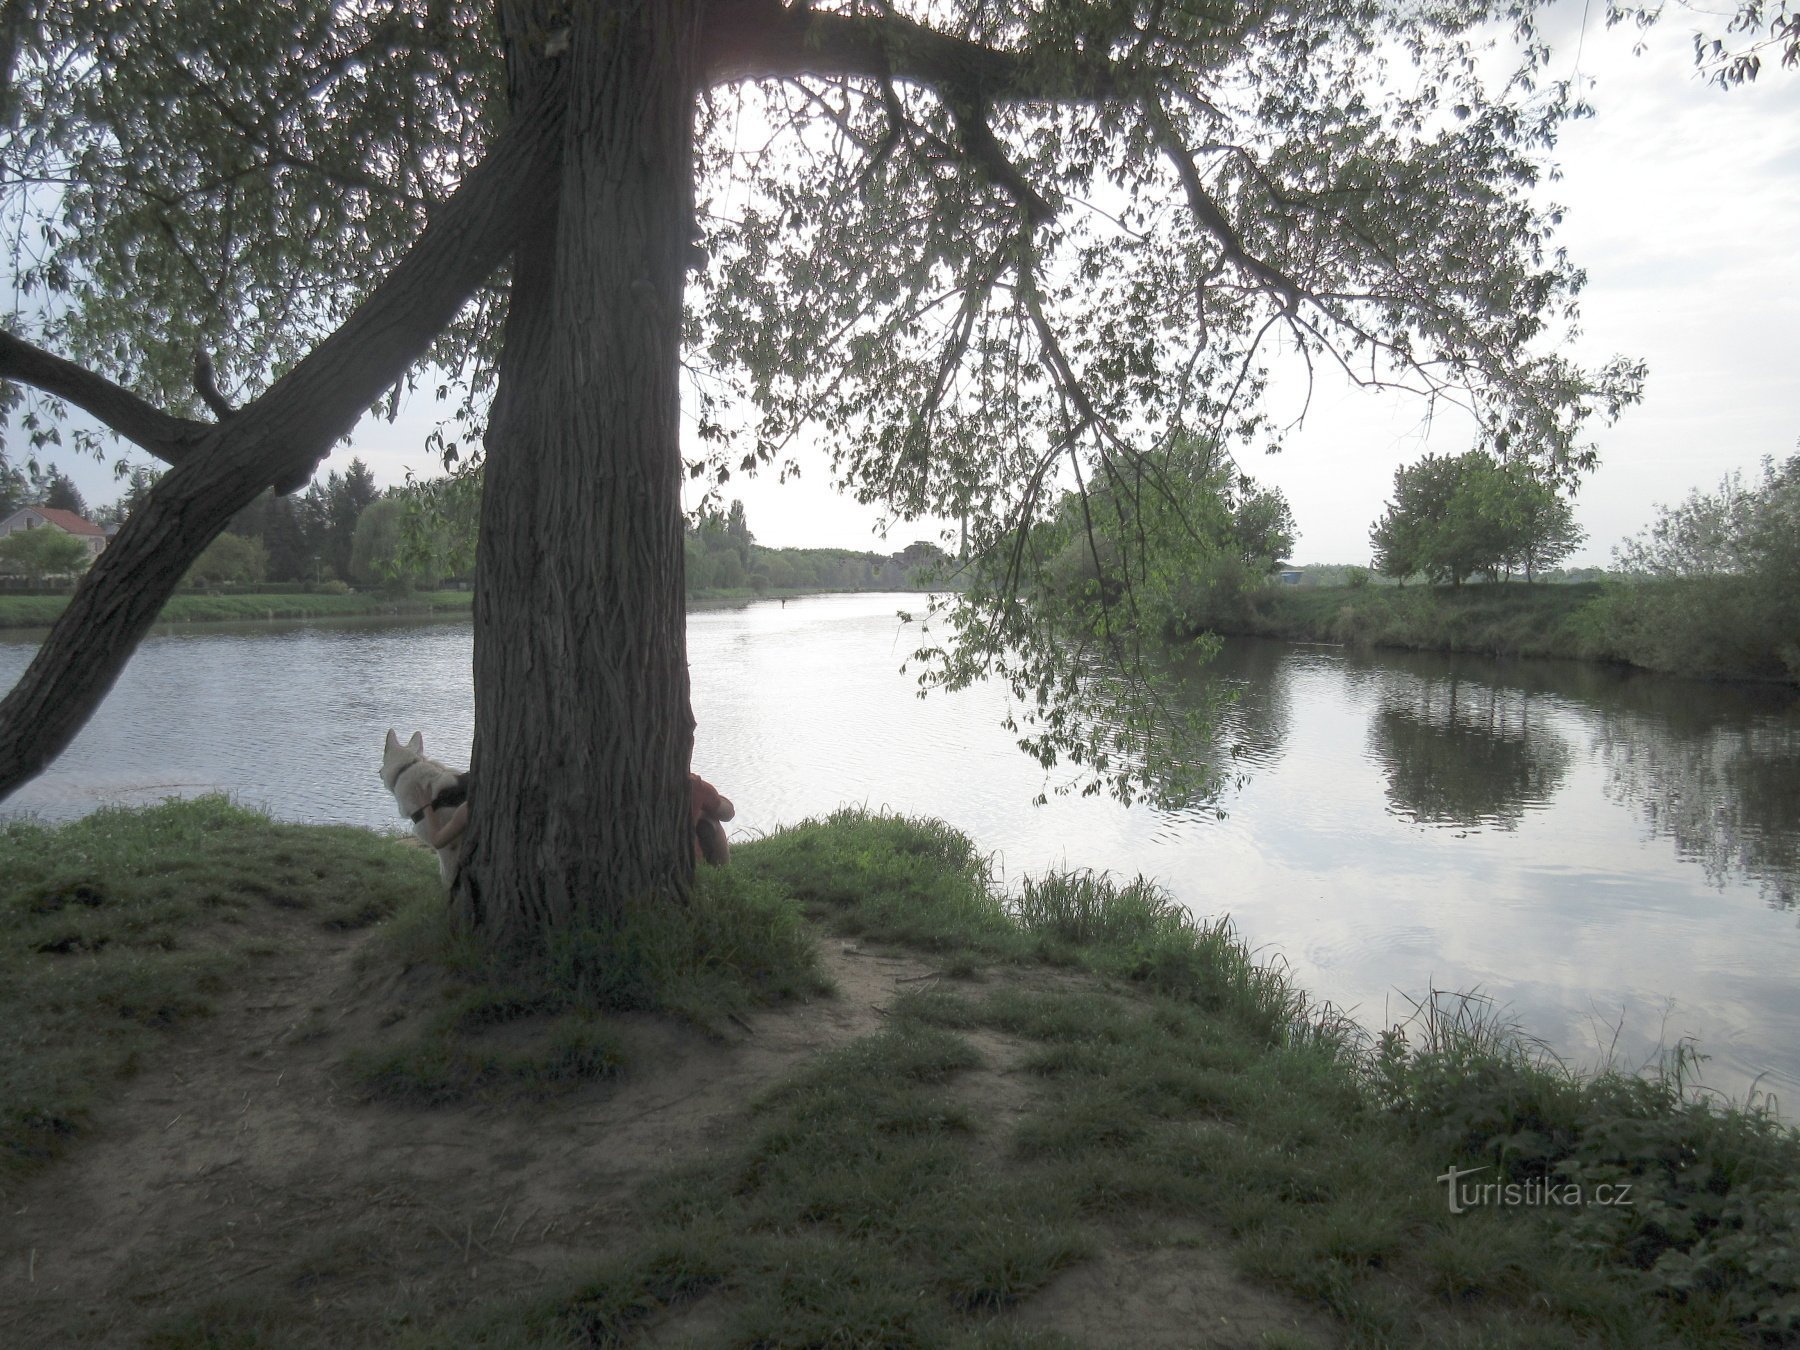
1717,626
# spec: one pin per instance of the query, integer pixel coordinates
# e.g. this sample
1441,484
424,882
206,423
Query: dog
418,784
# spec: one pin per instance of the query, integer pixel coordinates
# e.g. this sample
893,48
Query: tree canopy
981,253
1454,516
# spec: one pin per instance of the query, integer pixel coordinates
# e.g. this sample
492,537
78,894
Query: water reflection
1250,704
1465,753
1725,790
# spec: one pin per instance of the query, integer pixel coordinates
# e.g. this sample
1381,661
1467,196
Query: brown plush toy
708,809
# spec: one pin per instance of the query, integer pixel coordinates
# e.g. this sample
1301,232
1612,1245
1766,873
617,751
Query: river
1613,858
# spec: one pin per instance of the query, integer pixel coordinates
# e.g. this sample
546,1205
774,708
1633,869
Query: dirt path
240,1168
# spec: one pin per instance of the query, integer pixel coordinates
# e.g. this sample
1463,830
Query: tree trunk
583,730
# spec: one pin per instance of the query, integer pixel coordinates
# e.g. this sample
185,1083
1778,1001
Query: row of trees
722,554
1453,517
331,532
345,529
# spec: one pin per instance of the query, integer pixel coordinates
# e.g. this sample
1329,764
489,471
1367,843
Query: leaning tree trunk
583,730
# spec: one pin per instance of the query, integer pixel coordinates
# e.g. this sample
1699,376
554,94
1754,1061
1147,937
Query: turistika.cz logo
1465,1196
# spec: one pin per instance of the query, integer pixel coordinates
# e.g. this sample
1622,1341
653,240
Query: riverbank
40,611
254,1091
1699,628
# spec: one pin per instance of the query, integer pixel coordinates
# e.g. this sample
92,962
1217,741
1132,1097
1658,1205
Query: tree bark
583,731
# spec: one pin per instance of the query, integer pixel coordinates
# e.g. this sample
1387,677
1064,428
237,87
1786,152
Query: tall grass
921,882
1714,1187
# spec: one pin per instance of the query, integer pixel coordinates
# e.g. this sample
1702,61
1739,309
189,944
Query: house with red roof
50,517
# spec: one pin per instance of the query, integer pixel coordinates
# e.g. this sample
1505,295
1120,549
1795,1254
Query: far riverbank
1613,623
40,611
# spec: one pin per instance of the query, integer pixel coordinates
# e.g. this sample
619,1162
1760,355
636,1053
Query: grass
861,1211
126,925
1093,1071
924,884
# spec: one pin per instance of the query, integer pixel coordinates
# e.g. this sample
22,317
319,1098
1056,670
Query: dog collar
418,815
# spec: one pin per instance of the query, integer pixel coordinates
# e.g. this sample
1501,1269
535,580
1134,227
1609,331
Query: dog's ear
417,743
393,741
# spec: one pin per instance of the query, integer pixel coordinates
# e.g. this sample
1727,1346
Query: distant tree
1452,517
282,536
230,558
1545,530
61,494
375,542
1710,587
1708,534
15,490
43,552
1404,539
347,496
137,488
382,554
920,555
1262,525
697,566
779,570
312,520
737,529
728,571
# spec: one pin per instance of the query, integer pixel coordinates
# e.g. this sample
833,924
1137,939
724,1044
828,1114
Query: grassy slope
1170,1087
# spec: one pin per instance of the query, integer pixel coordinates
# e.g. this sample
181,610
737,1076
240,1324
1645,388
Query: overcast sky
1684,207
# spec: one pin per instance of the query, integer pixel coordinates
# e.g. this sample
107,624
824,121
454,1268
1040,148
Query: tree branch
766,40
171,439
278,436
1208,212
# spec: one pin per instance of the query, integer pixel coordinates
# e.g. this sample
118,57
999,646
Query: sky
1683,206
